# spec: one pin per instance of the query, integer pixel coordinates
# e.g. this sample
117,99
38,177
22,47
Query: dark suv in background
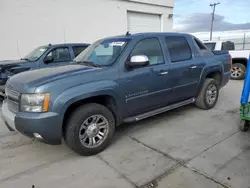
41,57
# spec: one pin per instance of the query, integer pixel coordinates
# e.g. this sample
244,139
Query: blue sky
195,15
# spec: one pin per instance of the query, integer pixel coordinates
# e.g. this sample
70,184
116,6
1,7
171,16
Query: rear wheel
90,129
238,71
244,125
208,95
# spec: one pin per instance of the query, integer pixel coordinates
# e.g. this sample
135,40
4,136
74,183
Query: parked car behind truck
41,57
115,80
239,57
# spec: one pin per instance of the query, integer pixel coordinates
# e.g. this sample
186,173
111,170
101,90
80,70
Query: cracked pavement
183,148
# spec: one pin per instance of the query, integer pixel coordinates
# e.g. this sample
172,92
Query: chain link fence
241,42
240,38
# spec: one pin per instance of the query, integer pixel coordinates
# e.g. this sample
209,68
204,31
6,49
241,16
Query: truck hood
29,80
11,62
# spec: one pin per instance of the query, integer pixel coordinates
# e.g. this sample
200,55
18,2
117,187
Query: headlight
35,102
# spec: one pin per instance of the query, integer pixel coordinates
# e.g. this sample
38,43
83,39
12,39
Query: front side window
211,45
36,53
179,49
60,55
150,48
103,52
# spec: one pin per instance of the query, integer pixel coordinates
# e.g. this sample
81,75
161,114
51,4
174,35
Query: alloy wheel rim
211,94
93,131
236,72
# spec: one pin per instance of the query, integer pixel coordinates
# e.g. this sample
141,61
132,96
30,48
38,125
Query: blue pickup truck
41,57
115,80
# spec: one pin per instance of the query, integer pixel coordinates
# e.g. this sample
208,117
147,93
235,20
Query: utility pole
213,6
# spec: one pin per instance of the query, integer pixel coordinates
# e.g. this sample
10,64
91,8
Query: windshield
211,45
102,52
36,53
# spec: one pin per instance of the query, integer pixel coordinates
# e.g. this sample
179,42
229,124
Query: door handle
163,73
193,67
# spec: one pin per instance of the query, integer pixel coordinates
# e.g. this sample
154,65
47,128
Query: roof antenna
128,34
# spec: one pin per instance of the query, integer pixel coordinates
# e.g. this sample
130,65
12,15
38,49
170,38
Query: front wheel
90,129
208,95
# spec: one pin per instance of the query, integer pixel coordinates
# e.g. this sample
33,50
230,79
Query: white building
26,24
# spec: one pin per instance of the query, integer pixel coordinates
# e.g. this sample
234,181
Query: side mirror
138,61
48,59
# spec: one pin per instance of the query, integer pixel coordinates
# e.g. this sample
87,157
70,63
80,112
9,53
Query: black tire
1,99
202,99
244,126
235,74
75,122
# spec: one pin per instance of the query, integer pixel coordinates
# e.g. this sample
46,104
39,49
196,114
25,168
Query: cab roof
66,44
148,34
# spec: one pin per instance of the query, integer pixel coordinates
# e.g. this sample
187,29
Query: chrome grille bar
12,99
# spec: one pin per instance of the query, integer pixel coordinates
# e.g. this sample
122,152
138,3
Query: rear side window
211,45
179,49
78,49
199,44
228,46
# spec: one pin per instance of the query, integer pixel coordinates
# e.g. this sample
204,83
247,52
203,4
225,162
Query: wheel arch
106,100
240,60
215,73
102,92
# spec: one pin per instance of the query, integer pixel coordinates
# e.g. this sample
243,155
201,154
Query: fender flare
205,72
85,91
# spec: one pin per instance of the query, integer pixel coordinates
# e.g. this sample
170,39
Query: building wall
167,3
26,24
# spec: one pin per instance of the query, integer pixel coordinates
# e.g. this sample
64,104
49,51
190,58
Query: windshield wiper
88,63
25,59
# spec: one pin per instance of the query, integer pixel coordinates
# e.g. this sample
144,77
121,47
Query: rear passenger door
182,70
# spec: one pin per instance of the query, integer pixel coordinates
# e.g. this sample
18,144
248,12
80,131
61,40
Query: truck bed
220,52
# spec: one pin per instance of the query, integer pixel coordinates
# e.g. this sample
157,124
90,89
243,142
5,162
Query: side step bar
158,111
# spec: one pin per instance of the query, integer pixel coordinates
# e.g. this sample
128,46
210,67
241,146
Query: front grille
12,100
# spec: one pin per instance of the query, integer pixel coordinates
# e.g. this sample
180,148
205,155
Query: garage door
142,22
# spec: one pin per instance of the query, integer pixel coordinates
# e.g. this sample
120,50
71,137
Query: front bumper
47,125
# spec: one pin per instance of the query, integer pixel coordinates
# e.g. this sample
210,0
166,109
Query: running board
158,111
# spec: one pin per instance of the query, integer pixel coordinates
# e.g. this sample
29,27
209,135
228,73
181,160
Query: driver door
148,87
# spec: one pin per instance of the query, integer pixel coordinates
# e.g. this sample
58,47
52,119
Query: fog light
38,136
